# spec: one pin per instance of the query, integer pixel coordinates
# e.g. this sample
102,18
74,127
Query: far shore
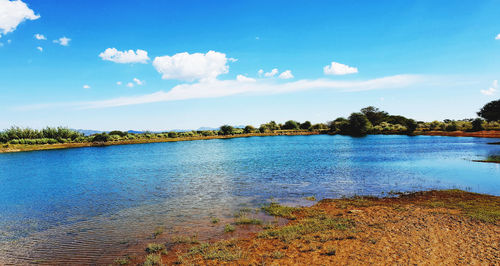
8,148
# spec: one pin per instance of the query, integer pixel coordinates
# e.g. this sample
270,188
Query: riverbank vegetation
369,120
430,227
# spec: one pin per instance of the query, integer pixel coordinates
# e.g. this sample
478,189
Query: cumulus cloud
40,48
271,74
286,75
62,41
260,72
40,37
138,81
339,69
12,13
118,83
498,37
130,84
491,90
86,86
242,78
191,67
125,57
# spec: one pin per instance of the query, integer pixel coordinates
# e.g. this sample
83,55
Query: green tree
477,124
290,124
359,125
227,130
305,125
411,126
490,111
374,114
249,129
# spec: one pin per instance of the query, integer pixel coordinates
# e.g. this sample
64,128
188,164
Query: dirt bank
432,228
479,134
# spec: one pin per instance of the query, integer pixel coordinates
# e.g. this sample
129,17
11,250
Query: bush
172,134
490,111
100,137
249,129
306,125
477,124
226,130
291,125
359,125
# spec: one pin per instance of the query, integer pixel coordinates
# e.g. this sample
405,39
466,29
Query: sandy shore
431,228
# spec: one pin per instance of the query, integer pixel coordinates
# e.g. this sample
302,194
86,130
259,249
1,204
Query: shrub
490,111
226,130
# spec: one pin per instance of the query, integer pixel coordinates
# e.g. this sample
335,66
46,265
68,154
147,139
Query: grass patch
185,239
479,207
152,259
311,198
155,248
229,228
276,209
246,220
307,226
214,220
158,231
122,261
222,250
277,255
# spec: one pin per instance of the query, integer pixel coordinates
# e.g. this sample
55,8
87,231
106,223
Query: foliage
291,125
249,129
477,124
306,125
490,111
374,115
359,125
226,130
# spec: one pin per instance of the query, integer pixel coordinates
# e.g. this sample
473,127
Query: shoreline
9,148
428,227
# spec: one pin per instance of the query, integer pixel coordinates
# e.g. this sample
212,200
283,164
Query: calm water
75,205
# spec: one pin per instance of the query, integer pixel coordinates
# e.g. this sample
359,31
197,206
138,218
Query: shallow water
82,205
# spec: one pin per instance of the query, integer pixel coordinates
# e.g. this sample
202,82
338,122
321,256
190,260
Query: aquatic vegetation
307,226
276,209
155,248
152,259
229,228
246,220
223,250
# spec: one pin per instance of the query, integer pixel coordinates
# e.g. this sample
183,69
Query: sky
161,65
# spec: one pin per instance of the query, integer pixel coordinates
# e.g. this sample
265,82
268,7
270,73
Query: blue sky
429,60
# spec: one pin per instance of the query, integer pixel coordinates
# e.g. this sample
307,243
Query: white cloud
191,67
40,37
86,86
498,37
491,90
40,48
218,88
9,41
12,13
286,75
130,84
260,72
272,73
138,81
125,57
339,69
118,83
242,78
63,41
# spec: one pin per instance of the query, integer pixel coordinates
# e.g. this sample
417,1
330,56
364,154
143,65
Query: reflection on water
83,205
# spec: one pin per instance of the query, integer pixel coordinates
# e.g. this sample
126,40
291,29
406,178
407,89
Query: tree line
369,120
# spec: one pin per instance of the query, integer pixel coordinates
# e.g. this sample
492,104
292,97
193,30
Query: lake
84,205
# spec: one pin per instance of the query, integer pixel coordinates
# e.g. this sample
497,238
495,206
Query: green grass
122,261
246,220
229,228
155,248
485,209
185,239
306,226
152,259
214,220
276,209
222,250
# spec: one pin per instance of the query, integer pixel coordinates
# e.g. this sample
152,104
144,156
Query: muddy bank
433,227
479,134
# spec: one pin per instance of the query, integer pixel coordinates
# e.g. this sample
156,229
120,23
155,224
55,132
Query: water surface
77,205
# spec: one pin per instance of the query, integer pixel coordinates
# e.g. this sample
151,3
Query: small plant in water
152,259
155,248
229,228
214,220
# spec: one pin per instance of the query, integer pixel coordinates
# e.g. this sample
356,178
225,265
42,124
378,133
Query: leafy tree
305,125
411,126
172,134
290,124
359,125
249,129
226,130
451,126
119,133
477,124
490,111
374,114
319,126
100,137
